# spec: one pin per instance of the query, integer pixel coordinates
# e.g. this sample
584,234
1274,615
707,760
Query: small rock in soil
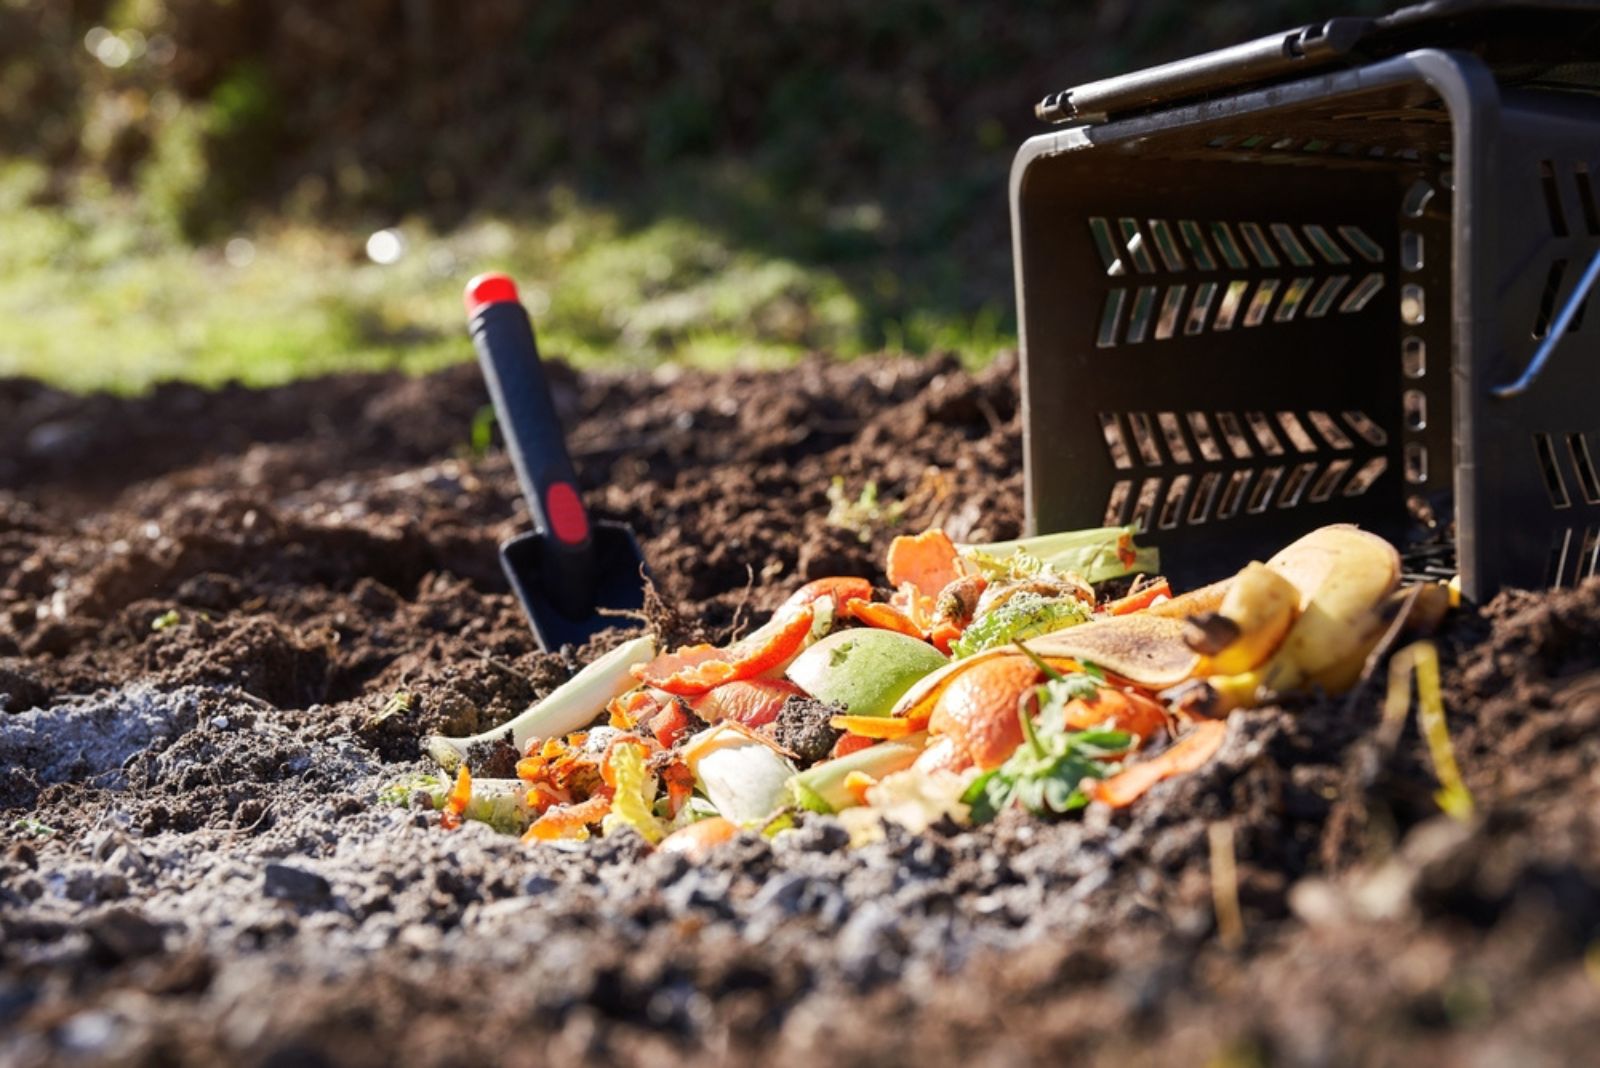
288,883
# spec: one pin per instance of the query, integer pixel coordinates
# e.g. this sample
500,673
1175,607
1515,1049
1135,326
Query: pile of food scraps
1029,674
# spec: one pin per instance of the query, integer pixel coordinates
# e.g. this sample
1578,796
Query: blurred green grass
188,187
98,293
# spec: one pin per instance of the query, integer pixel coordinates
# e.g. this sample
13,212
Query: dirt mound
226,619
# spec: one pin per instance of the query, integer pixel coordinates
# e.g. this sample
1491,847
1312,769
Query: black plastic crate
1305,280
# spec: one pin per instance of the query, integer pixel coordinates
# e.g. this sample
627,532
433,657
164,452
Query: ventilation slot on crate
1329,428
1369,249
1552,198
1415,202
1591,215
1554,484
1261,427
1560,546
1204,294
1116,444
1413,304
1233,434
1195,241
1144,302
1166,246
1574,556
1547,299
1299,481
1416,459
1144,439
1589,557
1362,294
1261,494
1295,431
1327,293
1104,243
1256,313
1145,504
1233,494
1204,495
1117,504
1133,240
1415,404
1589,554
1204,440
1177,447
1414,357
1172,507
1324,487
1583,462
1232,301
1366,428
1366,476
1413,256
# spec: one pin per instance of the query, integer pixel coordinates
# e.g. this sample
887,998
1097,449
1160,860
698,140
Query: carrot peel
1189,753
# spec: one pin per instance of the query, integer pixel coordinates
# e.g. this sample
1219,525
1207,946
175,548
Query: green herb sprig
1046,773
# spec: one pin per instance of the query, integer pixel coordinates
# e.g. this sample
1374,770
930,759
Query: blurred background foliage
260,189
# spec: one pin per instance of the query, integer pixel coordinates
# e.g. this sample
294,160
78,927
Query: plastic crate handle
1547,347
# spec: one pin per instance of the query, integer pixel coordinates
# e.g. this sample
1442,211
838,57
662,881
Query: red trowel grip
509,356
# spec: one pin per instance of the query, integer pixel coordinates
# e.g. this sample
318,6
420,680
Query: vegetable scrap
983,679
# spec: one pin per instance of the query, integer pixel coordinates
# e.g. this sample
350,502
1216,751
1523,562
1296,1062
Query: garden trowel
573,576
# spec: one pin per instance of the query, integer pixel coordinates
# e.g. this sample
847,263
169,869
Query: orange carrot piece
569,821
882,617
1189,753
753,702
875,727
944,635
701,668
626,711
1138,602
1125,709
699,838
457,800
841,588
850,743
928,561
679,781
858,783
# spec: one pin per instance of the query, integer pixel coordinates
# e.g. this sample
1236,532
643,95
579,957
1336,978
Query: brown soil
206,600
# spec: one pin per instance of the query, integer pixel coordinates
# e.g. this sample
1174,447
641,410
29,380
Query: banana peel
1256,613
1344,575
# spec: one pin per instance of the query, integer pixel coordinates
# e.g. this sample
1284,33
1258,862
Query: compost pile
230,622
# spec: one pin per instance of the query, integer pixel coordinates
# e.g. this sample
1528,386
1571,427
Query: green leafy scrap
635,790
1094,555
998,569
1046,773
1025,615
398,794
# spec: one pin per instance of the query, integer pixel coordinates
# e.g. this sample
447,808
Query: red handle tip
491,288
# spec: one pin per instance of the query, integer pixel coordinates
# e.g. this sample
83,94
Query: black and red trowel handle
503,336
